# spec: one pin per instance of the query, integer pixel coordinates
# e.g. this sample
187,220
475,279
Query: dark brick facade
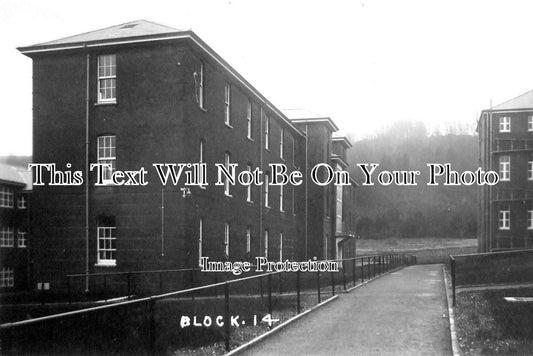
513,195
157,119
15,253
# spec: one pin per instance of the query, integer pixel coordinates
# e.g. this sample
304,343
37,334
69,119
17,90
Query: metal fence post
69,293
353,270
344,274
129,285
362,270
279,281
105,287
452,265
261,286
298,306
226,316
318,285
332,283
373,266
152,325
270,294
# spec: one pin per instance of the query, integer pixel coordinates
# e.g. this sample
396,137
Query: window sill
105,265
105,103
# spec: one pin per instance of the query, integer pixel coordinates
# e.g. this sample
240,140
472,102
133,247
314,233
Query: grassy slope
427,250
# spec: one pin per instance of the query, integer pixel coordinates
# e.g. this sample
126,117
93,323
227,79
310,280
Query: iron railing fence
485,269
219,315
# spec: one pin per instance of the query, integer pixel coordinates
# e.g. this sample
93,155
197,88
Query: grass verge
488,325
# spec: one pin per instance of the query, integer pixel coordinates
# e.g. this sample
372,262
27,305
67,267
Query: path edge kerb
451,318
278,328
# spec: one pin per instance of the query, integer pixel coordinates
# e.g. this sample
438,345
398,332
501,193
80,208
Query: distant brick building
15,189
505,219
142,93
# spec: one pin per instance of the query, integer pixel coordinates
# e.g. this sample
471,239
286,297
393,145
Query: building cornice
187,35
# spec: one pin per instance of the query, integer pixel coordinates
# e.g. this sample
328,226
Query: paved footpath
402,313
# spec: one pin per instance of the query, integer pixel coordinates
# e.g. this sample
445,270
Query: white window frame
249,127
7,277
226,238
200,240
201,87
201,154
267,203
530,219
281,142
293,151
248,240
505,168
108,235
22,202
293,204
281,246
22,240
110,77
338,208
227,188
227,104
505,220
7,236
6,197
107,154
249,187
265,243
505,124
530,123
267,132
281,205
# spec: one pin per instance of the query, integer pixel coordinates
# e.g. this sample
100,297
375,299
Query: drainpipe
261,190
87,178
306,180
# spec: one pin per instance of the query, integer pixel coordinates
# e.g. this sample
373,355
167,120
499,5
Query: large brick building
505,219
15,189
141,93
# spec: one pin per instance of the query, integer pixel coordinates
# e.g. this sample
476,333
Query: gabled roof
139,28
524,101
15,175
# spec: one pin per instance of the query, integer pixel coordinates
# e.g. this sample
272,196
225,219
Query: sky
365,64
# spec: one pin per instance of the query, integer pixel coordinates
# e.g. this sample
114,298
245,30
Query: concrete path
402,313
